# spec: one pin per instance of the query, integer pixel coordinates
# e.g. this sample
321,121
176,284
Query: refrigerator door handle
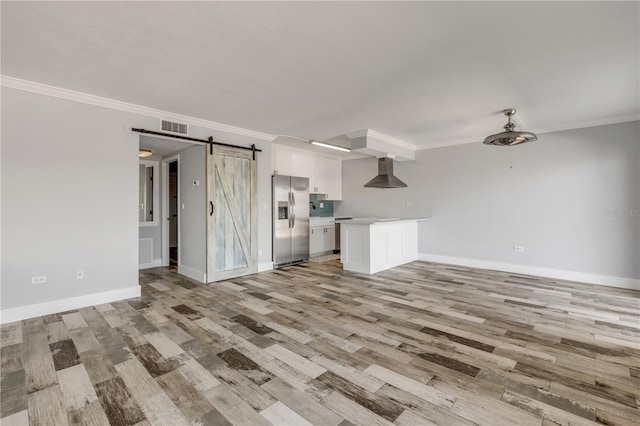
293,198
289,208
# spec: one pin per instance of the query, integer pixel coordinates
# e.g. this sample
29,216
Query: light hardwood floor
420,344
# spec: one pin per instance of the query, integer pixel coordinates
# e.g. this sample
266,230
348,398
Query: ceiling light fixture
145,153
326,145
510,137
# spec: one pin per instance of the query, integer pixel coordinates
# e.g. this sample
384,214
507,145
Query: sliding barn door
232,248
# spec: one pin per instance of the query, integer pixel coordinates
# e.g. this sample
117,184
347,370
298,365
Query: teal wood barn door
232,248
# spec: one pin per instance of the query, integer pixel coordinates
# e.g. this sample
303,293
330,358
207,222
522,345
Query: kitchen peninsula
371,245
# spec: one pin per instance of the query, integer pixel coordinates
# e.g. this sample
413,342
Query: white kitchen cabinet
372,245
322,237
316,240
302,165
317,182
291,163
333,179
283,162
329,238
324,173
327,178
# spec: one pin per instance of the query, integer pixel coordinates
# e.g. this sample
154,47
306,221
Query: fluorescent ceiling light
326,145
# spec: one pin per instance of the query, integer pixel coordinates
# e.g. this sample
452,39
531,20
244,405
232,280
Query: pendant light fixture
510,136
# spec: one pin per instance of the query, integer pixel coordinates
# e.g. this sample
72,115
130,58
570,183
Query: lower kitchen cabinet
322,240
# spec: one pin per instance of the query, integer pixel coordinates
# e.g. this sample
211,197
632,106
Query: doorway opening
173,214
171,211
160,240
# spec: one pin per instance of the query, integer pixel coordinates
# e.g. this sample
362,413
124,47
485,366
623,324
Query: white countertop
328,217
318,221
379,220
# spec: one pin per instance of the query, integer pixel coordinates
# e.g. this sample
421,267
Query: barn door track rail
209,141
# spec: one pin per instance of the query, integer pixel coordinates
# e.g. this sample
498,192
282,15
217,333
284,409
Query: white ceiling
428,73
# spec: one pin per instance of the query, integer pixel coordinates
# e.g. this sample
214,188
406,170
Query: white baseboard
194,274
46,308
266,266
561,274
155,264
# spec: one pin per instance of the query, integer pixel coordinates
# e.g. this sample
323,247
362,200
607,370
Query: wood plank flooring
424,343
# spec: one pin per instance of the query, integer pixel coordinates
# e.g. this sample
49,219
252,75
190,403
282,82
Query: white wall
155,233
553,196
69,189
69,201
264,207
192,212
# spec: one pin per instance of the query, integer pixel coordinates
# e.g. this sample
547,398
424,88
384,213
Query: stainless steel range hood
385,178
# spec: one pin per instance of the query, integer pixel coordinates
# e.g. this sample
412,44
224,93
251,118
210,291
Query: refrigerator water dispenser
283,210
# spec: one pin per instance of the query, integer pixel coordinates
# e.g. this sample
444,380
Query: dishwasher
338,219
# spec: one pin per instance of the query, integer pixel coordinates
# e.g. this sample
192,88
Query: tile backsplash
323,208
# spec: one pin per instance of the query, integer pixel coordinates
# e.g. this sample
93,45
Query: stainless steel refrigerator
290,220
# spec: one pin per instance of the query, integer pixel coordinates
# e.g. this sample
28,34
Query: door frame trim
165,209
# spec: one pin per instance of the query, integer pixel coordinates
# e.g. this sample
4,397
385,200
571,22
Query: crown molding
550,129
71,95
448,142
382,137
589,123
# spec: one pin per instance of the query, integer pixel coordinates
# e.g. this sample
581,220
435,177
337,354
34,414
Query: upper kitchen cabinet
324,173
302,165
317,180
333,178
282,162
293,163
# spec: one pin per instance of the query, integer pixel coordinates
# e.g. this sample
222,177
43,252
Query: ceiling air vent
169,126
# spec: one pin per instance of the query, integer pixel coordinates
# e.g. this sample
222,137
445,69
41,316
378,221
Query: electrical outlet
38,280
322,205
79,274
518,248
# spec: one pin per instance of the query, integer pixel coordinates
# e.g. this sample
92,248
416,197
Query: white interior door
232,248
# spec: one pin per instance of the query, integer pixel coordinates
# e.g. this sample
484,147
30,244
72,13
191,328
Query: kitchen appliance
290,220
385,178
337,221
